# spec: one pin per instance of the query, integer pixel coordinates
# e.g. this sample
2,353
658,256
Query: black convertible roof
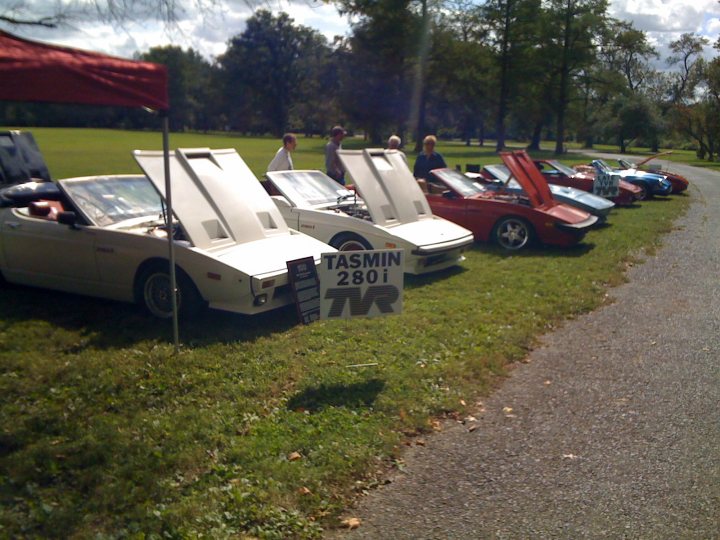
20,159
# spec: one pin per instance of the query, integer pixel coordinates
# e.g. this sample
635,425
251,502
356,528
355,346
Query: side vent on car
387,211
267,221
214,229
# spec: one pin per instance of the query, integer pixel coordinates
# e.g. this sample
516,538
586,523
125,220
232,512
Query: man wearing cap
334,168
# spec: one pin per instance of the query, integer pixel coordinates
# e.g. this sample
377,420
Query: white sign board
361,283
606,185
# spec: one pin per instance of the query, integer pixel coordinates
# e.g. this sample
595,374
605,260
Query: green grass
104,432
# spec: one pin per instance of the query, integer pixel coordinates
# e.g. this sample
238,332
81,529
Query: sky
663,20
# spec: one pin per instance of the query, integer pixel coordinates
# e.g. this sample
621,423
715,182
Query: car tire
513,233
644,192
348,241
153,290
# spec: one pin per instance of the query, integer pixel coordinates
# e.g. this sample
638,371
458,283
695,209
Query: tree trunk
504,82
535,139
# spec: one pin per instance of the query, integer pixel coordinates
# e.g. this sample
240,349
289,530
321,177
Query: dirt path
615,424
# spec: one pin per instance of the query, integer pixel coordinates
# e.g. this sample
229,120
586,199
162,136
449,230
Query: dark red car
512,221
562,175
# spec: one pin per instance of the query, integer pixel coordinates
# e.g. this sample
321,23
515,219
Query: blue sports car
651,183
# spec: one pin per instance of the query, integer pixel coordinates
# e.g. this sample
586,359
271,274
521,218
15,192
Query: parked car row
107,236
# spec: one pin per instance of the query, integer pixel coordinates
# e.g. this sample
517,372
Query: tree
188,85
692,110
572,49
512,29
115,12
459,75
265,68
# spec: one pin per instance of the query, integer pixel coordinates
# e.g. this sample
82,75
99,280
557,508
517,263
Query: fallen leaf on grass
294,456
304,491
435,424
350,523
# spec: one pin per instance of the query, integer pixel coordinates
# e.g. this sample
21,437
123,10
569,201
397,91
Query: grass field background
261,427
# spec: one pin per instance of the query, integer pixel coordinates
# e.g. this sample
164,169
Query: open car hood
387,186
216,196
523,169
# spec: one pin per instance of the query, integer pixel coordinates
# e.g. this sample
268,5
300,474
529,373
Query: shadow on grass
413,281
543,251
107,324
356,395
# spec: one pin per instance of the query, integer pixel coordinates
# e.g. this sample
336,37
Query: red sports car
678,181
513,221
562,175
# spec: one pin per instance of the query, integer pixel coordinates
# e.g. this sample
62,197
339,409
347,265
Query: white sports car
106,236
392,213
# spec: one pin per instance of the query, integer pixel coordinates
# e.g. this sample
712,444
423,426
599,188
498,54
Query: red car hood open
523,169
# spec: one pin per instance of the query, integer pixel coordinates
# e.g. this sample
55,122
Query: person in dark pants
428,159
333,166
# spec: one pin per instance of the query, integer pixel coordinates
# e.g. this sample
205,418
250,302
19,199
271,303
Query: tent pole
168,223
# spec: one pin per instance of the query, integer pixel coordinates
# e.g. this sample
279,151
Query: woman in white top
283,160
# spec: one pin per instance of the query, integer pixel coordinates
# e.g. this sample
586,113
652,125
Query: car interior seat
45,209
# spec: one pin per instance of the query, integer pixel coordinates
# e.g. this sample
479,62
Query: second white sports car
387,209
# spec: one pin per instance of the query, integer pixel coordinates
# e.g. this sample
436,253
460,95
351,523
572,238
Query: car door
45,253
450,206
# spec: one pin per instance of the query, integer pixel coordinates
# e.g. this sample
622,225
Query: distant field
260,427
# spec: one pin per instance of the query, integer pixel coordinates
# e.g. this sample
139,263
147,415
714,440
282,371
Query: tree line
529,70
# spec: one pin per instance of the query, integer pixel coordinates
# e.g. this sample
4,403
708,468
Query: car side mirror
68,218
447,194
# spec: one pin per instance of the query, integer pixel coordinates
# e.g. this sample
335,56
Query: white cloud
666,20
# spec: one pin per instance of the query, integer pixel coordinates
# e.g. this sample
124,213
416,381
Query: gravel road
614,430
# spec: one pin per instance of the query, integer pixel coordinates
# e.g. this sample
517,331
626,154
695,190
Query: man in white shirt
283,160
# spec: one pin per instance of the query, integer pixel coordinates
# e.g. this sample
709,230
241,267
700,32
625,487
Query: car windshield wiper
347,196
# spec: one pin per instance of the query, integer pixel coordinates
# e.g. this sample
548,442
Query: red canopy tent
33,71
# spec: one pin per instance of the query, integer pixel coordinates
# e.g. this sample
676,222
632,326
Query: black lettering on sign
381,295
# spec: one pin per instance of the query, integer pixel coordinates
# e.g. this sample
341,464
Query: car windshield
309,188
569,171
499,172
602,165
465,186
111,200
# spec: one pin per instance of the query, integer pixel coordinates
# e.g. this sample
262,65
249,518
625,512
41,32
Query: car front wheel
644,192
513,233
348,241
156,293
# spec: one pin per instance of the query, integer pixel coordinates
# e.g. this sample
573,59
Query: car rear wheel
156,294
348,241
513,233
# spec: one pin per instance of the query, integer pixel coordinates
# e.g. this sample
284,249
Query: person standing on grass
333,166
283,158
394,143
428,159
